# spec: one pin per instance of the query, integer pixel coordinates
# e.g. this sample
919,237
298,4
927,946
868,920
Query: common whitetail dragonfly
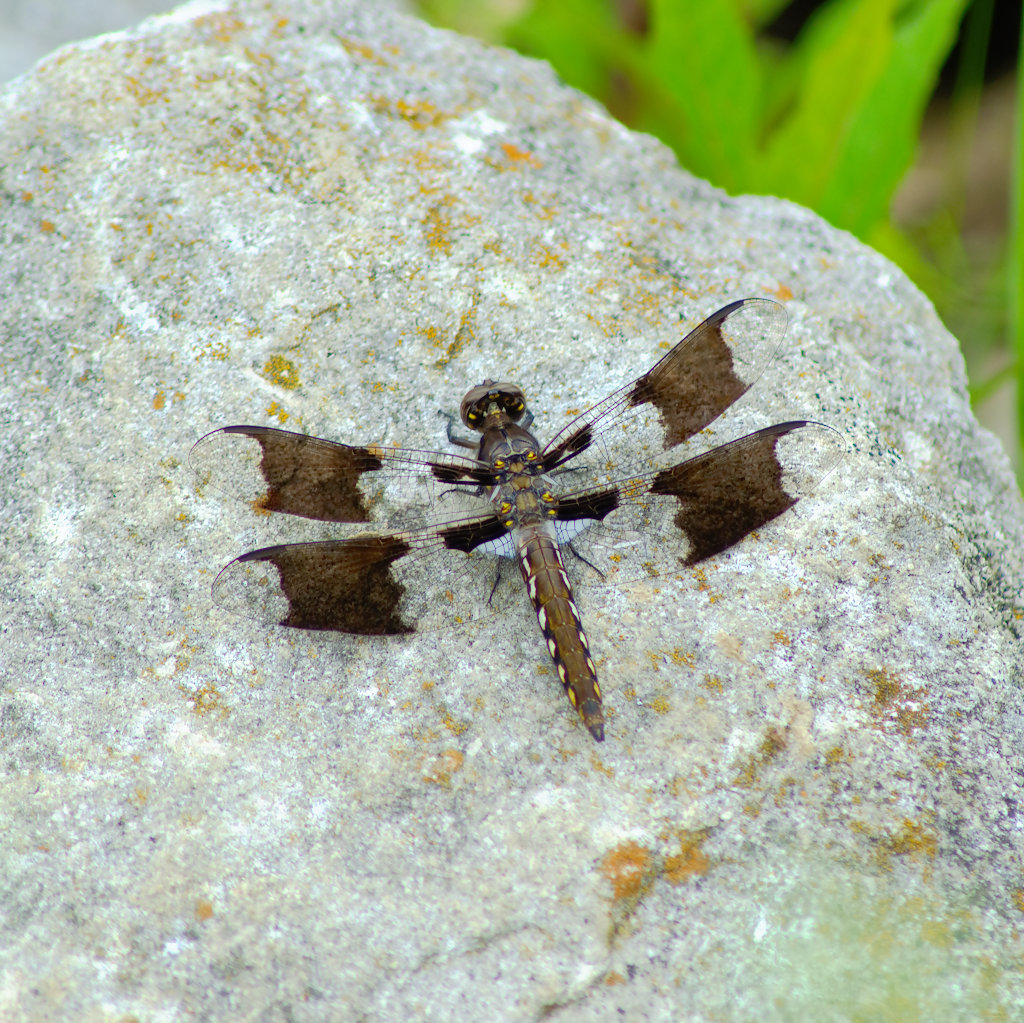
613,466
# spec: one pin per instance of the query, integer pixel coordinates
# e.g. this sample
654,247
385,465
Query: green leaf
701,75
841,56
880,144
869,70
1015,285
578,37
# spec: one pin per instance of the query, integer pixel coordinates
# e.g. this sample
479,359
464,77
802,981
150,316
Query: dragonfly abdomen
540,562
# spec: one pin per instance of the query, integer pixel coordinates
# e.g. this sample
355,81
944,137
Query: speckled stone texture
333,218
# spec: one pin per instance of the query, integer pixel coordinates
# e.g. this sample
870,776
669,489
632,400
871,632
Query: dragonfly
615,471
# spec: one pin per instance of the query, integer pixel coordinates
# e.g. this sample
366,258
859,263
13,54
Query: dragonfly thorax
510,450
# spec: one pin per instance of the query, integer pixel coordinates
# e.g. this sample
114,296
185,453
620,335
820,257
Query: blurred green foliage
831,120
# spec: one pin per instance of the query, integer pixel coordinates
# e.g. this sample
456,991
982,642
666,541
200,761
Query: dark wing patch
467,536
277,470
310,477
594,504
379,585
565,445
721,496
700,378
730,491
690,387
340,586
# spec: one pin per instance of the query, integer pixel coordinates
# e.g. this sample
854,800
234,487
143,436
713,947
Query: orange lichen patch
542,211
836,755
773,743
205,700
781,639
432,169
887,688
1018,899
204,910
630,869
614,978
158,401
47,226
259,506
606,326
680,658
455,725
912,839
677,786
788,787
431,335
690,861
357,49
438,225
281,372
700,576
882,567
463,336
421,114
547,257
143,94
214,350
444,766
713,683
897,704
275,411
783,293
647,303
516,155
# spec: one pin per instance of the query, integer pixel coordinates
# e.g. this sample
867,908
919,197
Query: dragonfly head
489,399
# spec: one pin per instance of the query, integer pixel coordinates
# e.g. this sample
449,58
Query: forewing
277,470
689,388
382,585
717,498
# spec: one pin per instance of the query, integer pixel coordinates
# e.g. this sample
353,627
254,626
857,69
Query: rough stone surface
333,218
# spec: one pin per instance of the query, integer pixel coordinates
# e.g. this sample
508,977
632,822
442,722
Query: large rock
334,218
